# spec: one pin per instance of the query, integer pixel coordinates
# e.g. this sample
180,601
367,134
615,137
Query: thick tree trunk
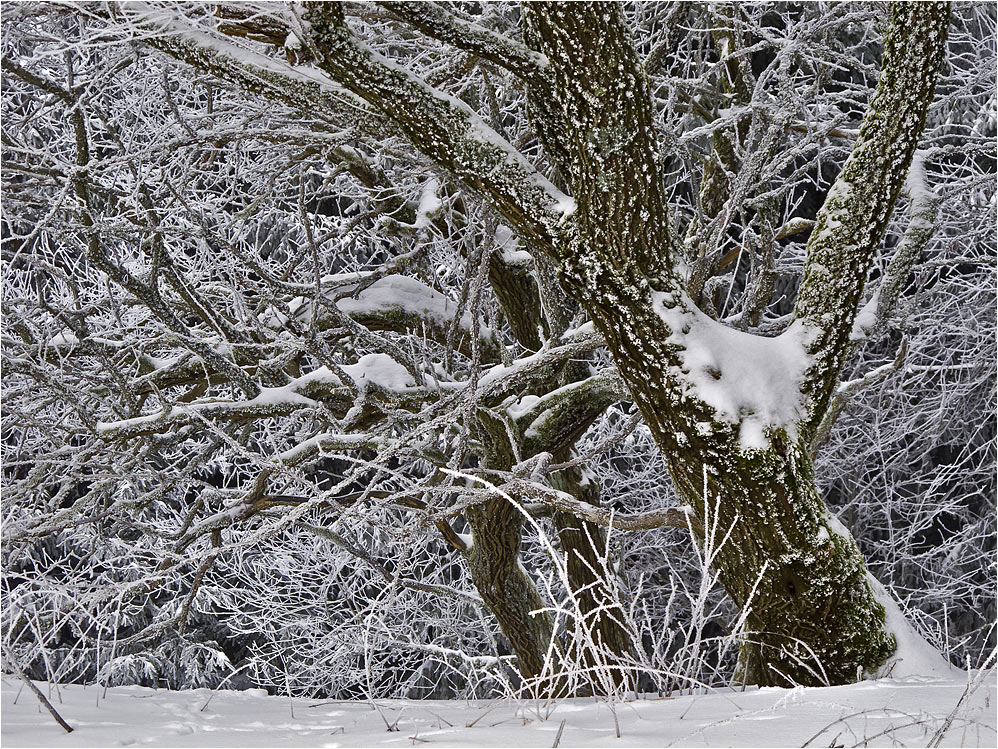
812,617
618,255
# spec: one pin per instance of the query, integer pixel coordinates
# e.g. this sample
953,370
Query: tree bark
505,586
813,617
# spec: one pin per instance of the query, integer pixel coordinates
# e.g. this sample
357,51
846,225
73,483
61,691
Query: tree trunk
510,594
813,618
505,586
620,259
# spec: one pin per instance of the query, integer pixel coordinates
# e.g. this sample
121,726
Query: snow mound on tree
913,656
746,379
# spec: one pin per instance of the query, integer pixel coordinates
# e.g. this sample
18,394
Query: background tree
261,319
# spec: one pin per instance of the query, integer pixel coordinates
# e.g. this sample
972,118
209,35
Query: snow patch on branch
381,370
393,293
509,248
378,369
429,204
866,318
745,379
916,184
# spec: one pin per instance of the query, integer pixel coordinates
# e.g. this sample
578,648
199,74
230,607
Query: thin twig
557,738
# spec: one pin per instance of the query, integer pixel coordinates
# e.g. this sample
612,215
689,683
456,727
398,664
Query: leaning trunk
511,596
812,617
505,586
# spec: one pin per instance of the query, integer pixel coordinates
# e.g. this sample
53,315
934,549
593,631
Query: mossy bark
592,109
812,617
504,584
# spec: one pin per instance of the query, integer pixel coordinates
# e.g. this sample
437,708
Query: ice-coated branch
923,212
564,502
846,390
439,23
442,127
375,373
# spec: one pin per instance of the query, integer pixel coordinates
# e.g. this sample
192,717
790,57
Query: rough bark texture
850,226
505,586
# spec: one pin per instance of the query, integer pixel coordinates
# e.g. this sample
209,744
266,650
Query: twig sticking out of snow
557,738
41,697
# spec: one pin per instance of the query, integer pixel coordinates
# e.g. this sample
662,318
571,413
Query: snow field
889,712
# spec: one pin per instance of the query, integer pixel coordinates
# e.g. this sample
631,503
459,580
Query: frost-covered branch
438,22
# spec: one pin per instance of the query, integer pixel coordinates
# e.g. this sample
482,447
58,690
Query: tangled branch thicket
258,354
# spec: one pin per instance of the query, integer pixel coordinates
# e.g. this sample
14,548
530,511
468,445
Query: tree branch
564,502
443,128
852,221
560,417
439,23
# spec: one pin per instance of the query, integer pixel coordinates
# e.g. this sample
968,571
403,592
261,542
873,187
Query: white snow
518,408
913,656
916,183
65,338
382,370
881,711
509,247
866,318
394,293
429,204
586,328
742,377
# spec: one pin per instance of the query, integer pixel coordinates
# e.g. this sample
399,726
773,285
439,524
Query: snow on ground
888,712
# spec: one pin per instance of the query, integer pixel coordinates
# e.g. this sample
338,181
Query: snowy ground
888,712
